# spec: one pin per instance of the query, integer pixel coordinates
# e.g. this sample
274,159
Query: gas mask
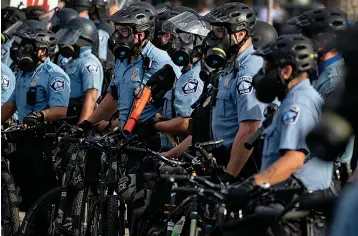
121,43
69,51
181,48
218,48
269,84
26,57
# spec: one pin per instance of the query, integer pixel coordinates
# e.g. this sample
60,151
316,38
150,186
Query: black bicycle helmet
264,33
139,18
38,33
99,3
34,12
317,21
78,5
293,49
161,18
234,16
146,5
79,31
61,18
182,9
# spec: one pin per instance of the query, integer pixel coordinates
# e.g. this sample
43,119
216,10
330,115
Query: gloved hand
34,118
241,192
227,178
84,128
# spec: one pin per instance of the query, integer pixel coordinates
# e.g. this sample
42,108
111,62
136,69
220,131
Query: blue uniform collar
248,51
39,67
329,62
146,50
303,83
85,50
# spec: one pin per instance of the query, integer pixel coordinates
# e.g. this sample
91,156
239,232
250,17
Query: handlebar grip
128,140
249,144
50,135
135,149
70,139
186,190
188,156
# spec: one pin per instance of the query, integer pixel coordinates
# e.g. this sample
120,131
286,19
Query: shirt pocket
224,103
271,141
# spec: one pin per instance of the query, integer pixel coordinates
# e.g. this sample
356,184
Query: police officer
288,63
136,60
84,69
97,14
322,26
162,38
9,15
185,52
41,94
7,83
237,113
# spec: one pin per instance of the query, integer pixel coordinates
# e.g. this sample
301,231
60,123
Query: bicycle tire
112,216
9,204
30,217
76,213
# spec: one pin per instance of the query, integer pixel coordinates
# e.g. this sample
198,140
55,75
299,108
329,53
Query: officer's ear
239,36
286,71
42,52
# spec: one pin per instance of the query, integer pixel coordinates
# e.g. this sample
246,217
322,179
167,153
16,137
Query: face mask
158,43
27,58
122,47
69,51
269,85
180,49
218,50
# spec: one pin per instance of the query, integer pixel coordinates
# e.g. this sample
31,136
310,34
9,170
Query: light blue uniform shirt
5,52
85,73
331,72
298,113
236,100
103,37
8,82
62,61
129,75
188,89
52,86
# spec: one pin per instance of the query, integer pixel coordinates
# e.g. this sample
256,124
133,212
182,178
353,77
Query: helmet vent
337,23
248,16
300,47
230,8
235,14
301,57
317,11
319,19
140,16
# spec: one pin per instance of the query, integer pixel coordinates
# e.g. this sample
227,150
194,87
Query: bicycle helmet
10,15
61,18
295,50
264,34
234,16
146,5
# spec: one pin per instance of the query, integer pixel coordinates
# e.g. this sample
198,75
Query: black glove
84,128
241,192
34,118
227,178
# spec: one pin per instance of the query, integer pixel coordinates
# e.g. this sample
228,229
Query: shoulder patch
58,84
92,68
244,85
4,51
190,86
328,92
5,82
291,116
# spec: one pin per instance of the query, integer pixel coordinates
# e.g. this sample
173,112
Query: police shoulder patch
58,84
4,51
244,85
190,86
291,115
5,82
92,68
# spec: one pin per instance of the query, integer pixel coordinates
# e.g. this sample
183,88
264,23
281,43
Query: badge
244,85
291,116
226,82
92,68
5,82
58,84
207,101
33,83
136,92
135,74
190,86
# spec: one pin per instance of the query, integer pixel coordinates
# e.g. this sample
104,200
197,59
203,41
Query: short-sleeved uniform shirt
236,100
8,82
85,73
129,77
52,86
5,52
330,73
188,89
295,118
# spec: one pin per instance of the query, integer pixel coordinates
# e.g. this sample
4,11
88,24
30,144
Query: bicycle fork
194,217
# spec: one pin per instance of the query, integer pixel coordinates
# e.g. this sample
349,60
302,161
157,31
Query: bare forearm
182,147
7,110
177,125
239,154
104,111
89,105
54,113
282,169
